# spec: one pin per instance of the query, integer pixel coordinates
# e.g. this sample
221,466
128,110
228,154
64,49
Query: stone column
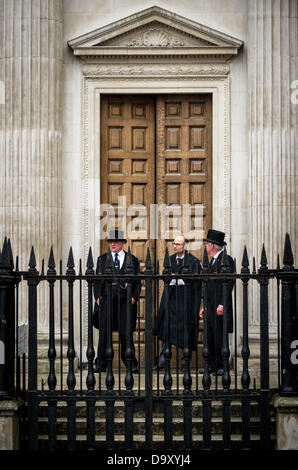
30,128
272,71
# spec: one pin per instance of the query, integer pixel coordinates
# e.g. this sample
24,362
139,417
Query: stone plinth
9,424
286,423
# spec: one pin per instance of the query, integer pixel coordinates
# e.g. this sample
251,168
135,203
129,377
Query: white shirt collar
217,254
120,254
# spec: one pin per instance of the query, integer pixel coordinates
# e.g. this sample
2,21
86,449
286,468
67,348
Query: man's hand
133,301
219,310
97,300
201,313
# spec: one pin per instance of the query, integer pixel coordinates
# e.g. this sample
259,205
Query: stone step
139,385
158,443
157,426
177,410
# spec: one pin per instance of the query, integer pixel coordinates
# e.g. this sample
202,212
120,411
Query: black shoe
218,372
158,367
99,367
201,371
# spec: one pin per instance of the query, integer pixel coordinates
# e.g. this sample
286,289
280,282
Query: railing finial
5,259
167,262
263,262
245,262
205,260
90,263
288,258
51,263
70,263
32,260
148,262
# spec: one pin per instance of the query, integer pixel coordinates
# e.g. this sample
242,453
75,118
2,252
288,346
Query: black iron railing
77,382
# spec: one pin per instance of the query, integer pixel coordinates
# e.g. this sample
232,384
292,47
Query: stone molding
156,31
155,70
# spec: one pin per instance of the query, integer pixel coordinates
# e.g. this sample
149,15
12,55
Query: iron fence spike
245,261
186,265
205,259
129,264
148,262
263,258
167,262
5,259
51,262
90,264
109,263
224,261
288,258
32,260
70,261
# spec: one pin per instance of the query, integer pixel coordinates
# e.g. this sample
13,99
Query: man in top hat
119,312
214,243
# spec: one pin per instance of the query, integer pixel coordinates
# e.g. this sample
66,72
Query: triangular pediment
152,31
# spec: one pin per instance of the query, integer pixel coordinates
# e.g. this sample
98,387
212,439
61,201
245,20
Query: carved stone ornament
155,37
149,70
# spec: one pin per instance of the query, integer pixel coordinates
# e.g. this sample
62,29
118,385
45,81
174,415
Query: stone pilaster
31,127
272,70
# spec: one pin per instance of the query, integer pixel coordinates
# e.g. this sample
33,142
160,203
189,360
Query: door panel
156,150
127,165
183,163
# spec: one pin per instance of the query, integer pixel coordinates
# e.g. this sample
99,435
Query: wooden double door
156,169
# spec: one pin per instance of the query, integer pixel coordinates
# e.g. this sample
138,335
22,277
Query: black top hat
216,237
116,236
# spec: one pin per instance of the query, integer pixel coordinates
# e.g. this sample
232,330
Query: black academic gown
178,307
119,304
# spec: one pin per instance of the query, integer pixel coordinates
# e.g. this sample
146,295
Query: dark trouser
215,331
119,323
